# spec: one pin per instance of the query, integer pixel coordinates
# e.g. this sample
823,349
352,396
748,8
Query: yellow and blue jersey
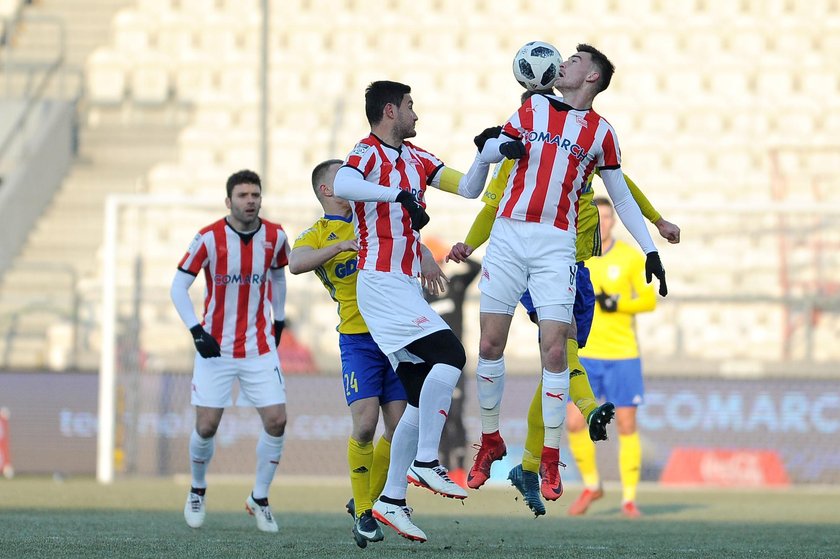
619,271
339,273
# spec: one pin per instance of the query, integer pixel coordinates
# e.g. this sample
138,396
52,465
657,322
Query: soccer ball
535,65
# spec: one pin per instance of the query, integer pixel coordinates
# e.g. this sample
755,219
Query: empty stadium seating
716,103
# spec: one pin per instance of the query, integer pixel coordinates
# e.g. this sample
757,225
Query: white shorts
260,381
394,309
527,255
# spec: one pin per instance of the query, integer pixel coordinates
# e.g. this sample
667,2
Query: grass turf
142,518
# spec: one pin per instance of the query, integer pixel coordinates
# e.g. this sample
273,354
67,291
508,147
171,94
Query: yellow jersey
339,273
619,271
588,232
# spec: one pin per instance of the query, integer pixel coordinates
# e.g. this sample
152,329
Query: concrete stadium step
87,25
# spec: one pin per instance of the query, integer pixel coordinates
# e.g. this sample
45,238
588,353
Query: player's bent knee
442,346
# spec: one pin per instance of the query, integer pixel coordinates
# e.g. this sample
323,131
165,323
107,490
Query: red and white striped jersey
237,302
563,146
387,243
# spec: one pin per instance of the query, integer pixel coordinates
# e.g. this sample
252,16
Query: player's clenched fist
459,252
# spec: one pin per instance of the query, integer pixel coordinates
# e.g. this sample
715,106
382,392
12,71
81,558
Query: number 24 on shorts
350,382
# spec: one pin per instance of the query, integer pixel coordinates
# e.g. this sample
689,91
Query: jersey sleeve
431,165
496,187
309,238
196,257
362,159
610,157
281,257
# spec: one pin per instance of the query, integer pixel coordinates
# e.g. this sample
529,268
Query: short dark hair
380,93
319,171
606,69
602,201
242,177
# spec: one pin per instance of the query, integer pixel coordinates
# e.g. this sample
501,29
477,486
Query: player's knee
453,353
276,429
555,357
491,348
442,346
275,424
206,431
364,431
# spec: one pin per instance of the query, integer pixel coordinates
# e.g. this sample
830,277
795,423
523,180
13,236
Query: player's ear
390,110
593,76
227,203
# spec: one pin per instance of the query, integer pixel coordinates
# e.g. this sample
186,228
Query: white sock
201,452
269,450
403,450
555,395
490,378
435,399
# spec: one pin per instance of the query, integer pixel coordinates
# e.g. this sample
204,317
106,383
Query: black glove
514,149
608,303
278,329
205,344
419,217
653,267
487,134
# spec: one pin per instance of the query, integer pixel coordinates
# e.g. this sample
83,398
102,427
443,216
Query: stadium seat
150,78
132,31
106,81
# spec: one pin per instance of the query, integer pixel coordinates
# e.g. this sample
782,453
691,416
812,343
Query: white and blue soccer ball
536,64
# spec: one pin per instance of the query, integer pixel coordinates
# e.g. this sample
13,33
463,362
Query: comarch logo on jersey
226,279
563,143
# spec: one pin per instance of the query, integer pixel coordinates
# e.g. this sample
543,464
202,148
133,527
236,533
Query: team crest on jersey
360,149
269,245
581,121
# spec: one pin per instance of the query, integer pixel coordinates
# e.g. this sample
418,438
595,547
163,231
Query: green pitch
78,518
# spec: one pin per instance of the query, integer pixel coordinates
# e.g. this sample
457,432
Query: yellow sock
536,433
580,391
360,459
379,469
583,449
630,464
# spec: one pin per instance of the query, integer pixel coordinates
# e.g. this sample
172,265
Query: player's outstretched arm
305,258
631,216
350,185
667,230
